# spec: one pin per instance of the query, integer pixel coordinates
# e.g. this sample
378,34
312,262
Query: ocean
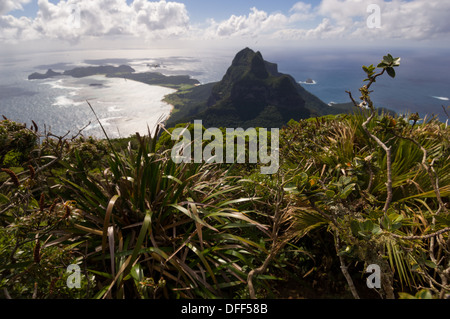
422,82
125,107
60,104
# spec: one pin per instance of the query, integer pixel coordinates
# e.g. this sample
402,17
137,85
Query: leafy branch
387,65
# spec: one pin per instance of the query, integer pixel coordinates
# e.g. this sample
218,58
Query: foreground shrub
165,230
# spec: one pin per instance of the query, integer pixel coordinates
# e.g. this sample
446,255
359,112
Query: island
125,72
81,72
154,66
39,76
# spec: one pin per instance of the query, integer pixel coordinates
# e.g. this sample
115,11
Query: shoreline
124,107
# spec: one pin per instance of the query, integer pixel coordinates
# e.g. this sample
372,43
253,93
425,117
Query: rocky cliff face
251,85
247,69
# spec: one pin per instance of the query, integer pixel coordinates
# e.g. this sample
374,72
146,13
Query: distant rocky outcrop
94,70
80,72
39,76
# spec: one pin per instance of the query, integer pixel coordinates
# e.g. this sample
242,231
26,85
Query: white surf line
442,98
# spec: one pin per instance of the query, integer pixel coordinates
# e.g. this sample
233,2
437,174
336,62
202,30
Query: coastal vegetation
352,190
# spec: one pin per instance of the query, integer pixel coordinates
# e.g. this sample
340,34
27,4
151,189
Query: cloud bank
10,5
75,20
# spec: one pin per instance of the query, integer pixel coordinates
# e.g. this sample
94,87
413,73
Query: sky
41,24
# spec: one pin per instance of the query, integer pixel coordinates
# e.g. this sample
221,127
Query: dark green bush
16,143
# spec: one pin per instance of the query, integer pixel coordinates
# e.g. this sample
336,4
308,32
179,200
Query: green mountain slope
252,93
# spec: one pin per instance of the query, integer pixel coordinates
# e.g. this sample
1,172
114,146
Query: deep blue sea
422,82
124,107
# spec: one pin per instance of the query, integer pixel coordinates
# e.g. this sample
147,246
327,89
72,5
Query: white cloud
74,20
10,5
400,19
344,11
325,30
16,28
343,19
419,19
301,11
161,15
256,22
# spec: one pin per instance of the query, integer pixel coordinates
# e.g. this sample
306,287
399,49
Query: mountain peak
247,64
243,57
249,61
252,93
252,87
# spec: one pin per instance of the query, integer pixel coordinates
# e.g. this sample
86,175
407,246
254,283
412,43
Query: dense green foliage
351,191
16,143
188,102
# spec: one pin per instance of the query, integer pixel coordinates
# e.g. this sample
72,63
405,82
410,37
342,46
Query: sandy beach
124,107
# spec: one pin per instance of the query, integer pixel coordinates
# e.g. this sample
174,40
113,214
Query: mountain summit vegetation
252,93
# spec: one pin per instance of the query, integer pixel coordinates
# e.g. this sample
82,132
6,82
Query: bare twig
440,232
276,244
344,268
445,111
7,295
388,151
